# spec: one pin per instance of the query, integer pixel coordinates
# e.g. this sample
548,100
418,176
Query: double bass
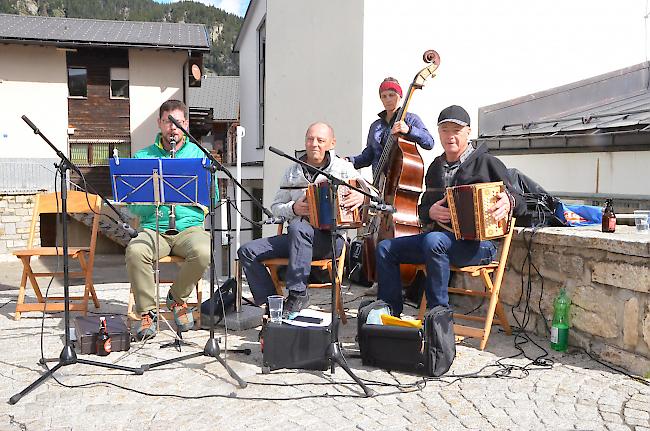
398,178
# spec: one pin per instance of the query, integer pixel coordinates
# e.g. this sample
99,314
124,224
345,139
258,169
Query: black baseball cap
455,114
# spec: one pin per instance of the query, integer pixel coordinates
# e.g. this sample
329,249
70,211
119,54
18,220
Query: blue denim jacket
378,132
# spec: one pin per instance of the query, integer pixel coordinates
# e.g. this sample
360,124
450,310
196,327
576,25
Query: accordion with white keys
469,206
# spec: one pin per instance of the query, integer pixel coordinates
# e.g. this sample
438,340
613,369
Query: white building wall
601,172
313,73
33,82
154,77
249,82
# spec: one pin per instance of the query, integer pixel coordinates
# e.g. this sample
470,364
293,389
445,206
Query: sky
237,7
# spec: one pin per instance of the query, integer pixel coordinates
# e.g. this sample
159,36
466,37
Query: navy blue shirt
378,133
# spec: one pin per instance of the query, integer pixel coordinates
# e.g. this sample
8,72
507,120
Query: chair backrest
76,203
505,250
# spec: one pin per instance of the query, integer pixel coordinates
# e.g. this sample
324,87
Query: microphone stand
211,348
67,355
334,353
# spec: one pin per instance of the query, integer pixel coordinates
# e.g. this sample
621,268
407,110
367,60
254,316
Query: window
119,83
261,53
77,82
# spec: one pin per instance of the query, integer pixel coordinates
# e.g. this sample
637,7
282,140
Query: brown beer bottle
609,218
103,339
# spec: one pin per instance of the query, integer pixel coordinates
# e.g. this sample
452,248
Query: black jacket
479,167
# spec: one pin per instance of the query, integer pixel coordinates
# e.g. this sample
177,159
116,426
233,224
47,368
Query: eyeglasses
166,122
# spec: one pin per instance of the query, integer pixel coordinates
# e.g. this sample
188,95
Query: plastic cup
641,219
275,308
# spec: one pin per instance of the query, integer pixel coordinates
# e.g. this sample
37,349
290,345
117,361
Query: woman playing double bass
412,128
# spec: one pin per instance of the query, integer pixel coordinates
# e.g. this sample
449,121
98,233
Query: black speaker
289,346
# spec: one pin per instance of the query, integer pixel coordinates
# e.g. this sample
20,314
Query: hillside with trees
222,26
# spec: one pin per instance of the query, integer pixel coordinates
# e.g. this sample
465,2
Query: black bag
540,205
355,264
429,351
440,342
228,289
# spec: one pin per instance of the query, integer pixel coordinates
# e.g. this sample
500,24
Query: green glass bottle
560,325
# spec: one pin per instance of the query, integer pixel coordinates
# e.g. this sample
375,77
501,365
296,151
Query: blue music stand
176,181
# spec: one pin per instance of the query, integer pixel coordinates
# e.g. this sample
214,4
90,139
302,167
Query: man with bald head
302,243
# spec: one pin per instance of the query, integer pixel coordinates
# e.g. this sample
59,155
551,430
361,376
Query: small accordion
320,210
469,211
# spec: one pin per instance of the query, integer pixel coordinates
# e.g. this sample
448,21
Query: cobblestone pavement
577,393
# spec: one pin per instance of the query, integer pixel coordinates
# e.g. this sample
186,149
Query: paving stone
576,393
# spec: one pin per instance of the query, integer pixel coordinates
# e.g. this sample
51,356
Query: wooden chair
132,315
492,276
274,264
50,203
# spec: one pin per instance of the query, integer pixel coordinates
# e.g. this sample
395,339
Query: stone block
22,211
634,363
593,299
562,261
646,328
9,229
21,198
596,324
10,219
623,275
631,322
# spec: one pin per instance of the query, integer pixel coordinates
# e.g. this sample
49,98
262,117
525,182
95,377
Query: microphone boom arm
220,166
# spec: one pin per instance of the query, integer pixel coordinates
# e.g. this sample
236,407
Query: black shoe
295,302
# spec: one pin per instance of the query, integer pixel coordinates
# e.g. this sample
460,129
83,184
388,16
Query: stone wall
607,277
15,219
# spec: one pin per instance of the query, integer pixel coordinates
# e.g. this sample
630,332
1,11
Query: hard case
87,328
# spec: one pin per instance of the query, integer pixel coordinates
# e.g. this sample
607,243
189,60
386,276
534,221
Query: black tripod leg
137,371
242,383
334,353
17,397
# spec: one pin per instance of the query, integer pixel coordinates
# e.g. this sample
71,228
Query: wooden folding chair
274,264
50,203
492,276
196,313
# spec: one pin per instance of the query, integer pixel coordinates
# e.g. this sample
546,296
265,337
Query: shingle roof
92,32
221,93
616,100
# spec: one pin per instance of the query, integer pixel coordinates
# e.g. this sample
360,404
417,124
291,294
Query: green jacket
186,216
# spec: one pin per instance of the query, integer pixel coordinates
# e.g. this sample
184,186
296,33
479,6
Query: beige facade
154,76
33,82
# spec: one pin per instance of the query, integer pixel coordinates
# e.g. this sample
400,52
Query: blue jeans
437,250
300,245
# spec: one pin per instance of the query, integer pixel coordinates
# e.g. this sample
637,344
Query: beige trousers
193,244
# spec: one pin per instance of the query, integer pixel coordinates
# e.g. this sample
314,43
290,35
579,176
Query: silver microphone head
172,142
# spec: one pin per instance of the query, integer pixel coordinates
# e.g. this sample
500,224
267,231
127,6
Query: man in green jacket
191,242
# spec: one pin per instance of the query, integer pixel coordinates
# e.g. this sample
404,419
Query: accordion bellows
320,210
469,206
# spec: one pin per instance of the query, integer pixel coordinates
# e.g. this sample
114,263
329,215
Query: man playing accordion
437,247
303,242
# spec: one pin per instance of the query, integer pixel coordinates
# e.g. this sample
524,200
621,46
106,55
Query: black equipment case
289,346
429,350
87,328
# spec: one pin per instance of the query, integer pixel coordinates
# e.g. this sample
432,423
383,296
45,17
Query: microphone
381,207
276,151
30,124
132,232
275,220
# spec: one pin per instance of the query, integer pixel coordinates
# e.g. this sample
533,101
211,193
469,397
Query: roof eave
68,43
